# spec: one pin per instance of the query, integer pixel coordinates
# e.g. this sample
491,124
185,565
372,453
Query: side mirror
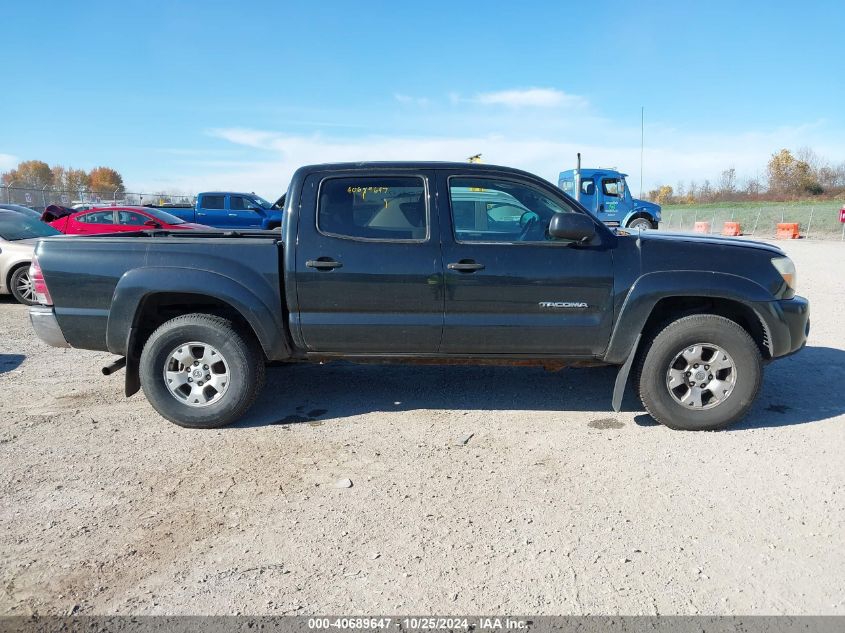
153,224
572,226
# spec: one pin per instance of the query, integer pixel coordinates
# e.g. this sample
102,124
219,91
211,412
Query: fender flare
638,211
138,284
652,287
272,219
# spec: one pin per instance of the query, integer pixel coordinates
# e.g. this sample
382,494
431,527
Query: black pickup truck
424,262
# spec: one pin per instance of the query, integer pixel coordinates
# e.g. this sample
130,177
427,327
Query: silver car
18,235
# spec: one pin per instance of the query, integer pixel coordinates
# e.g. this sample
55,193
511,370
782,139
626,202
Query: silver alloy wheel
196,374
25,287
640,224
701,376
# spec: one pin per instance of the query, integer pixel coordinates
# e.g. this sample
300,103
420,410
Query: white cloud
494,124
8,161
530,97
243,136
670,154
409,100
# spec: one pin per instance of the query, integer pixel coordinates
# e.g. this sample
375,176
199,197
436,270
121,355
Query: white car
18,235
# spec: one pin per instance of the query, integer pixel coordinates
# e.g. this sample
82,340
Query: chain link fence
40,198
815,221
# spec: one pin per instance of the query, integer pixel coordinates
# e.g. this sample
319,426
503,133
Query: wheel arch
13,268
137,311
660,298
634,215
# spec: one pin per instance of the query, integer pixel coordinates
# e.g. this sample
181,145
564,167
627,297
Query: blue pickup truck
230,210
606,195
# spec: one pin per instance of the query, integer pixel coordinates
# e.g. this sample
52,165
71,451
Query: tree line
36,174
788,176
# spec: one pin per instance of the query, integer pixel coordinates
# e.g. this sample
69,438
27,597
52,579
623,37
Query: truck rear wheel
199,371
701,373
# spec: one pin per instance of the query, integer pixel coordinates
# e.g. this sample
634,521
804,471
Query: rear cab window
375,208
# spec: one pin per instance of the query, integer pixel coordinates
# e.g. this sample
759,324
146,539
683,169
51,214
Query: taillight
39,286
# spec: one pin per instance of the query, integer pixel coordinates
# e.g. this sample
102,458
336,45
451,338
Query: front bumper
788,322
46,326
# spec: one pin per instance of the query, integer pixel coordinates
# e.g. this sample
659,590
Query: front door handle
601,208
465,266
323,263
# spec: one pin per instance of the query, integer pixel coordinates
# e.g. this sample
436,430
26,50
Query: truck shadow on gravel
10,362
340,389
796,390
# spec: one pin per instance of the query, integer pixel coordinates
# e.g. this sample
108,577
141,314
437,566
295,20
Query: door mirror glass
571,226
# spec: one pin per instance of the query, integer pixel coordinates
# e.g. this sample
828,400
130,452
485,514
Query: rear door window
213,202
390,208
97,217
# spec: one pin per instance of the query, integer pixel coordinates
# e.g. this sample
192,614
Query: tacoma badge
563,304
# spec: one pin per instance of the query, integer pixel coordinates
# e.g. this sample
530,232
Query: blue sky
185,96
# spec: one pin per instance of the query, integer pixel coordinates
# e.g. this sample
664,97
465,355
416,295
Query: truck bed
95,281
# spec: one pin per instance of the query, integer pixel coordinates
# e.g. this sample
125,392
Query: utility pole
642,144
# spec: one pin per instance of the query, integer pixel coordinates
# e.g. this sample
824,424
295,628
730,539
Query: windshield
261,202
21,209
17,226
164,217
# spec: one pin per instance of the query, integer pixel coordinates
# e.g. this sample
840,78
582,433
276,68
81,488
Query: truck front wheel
700,373
641,224
200,371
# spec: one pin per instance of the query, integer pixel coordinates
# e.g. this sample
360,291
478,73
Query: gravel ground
474,490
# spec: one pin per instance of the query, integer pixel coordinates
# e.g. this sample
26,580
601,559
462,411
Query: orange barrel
702,227
731,228
787,231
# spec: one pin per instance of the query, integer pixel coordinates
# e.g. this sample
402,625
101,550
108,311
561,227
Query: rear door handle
465,266
323,263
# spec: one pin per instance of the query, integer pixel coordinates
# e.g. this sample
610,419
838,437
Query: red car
113,220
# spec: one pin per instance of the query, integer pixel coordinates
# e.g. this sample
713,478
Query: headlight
786,269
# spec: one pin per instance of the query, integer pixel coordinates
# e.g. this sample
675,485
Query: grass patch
821,218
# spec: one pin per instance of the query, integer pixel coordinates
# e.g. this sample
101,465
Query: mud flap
133,360
622,376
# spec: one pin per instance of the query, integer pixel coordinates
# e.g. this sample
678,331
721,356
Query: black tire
244,364
640,223
656,360
18,284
